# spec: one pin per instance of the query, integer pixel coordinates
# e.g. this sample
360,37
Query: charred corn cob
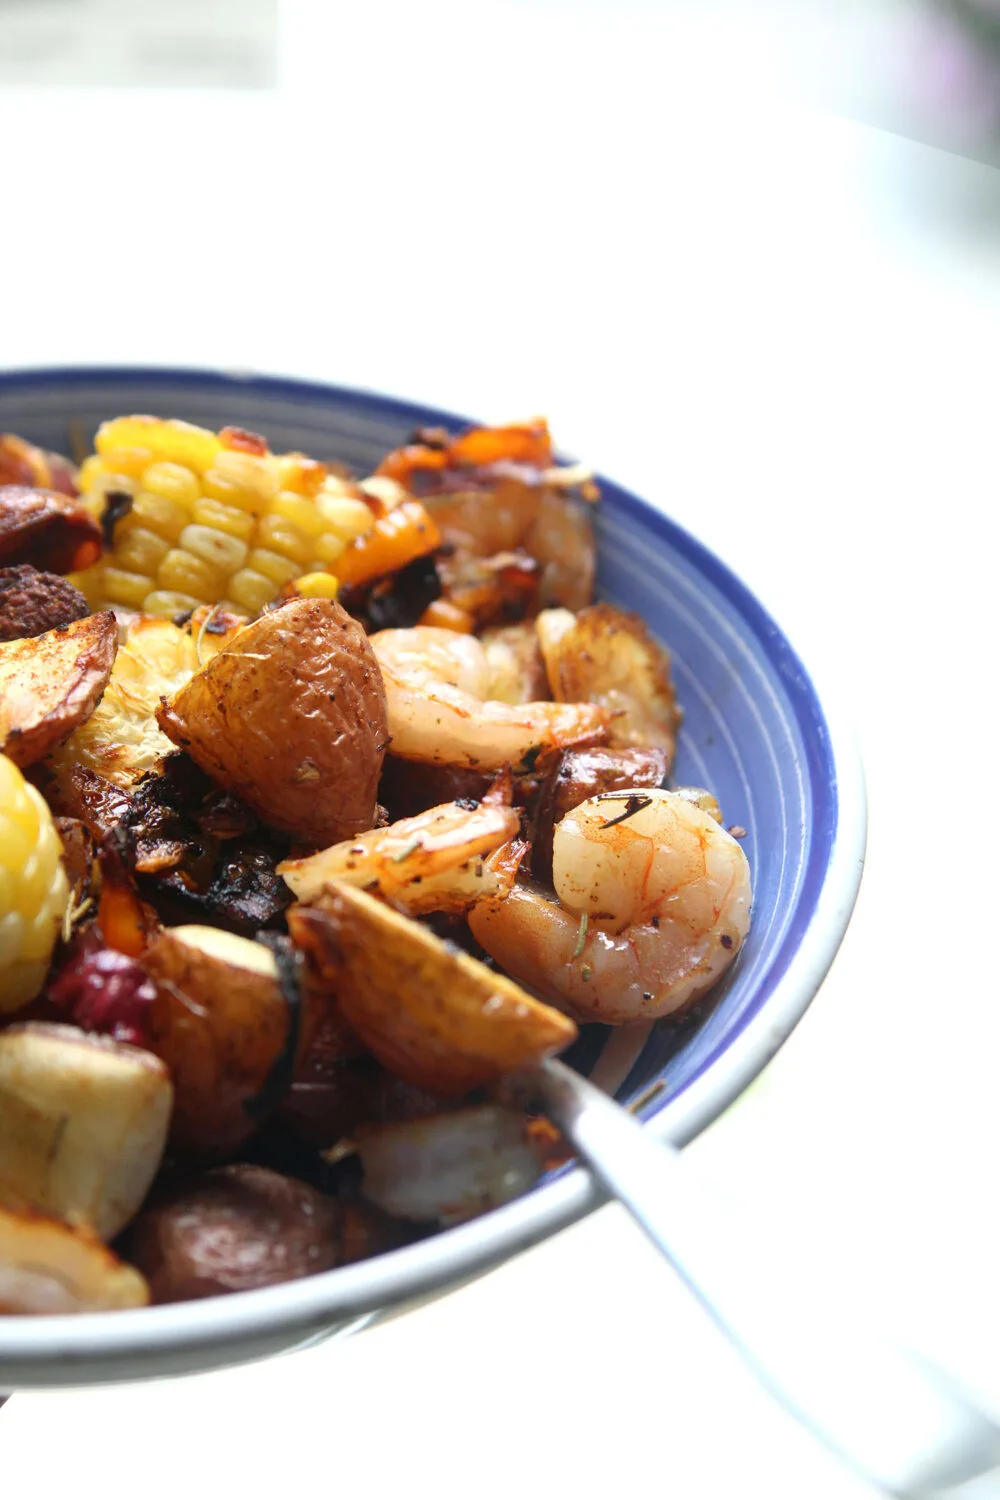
219,519
33,888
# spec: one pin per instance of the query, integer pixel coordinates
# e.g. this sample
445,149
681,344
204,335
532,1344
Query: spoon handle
898,1421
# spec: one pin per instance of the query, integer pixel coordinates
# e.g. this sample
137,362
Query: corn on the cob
33,888
219,519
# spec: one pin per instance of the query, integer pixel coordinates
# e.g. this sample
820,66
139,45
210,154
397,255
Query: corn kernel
302,513
226,553
317,586
33,888
110,483
251,590
126,588
178,442
188,574
218,486
140,550
295,471
328,548
165,517
278,536
248,471
90,470
279,569
90,583
131,461
345,516
173,482
220,517
168,602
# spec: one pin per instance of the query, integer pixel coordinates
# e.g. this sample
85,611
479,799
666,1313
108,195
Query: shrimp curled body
653,906
437,685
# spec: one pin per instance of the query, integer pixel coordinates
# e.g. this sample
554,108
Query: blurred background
928,69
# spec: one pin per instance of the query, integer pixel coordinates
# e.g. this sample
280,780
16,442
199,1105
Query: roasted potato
239,1227
515,658
48,530
607,656
83,1123
430,1013
292,717
221,1023
49,1267
51,684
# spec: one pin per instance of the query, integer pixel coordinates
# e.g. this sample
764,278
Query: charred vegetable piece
34,889
221,1022
450,1167
428,1012
239,1227
32,603
607,656
50,531
46,1267
83,1123
51,684
291,716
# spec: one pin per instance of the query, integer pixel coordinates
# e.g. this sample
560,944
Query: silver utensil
894,1418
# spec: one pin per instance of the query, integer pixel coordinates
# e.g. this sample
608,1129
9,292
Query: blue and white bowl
755,733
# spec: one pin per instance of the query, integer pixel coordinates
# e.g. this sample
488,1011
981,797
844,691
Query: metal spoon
894,1418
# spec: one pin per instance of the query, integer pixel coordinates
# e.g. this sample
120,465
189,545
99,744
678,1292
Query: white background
780,325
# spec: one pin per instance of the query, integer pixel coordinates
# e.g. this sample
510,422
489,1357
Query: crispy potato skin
53,532
292,717
431,1014
240,1227
52,683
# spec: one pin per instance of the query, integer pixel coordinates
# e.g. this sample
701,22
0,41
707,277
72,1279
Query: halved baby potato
291,716
430,1013
50,684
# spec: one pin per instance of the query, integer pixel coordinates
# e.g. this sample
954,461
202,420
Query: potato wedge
292,717
431,1014
607,656
52,683
83,1123
47,1267
220,1022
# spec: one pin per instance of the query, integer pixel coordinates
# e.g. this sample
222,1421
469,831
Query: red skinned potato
291,716
51,684
240,1227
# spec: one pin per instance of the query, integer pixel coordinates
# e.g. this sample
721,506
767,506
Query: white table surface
781,326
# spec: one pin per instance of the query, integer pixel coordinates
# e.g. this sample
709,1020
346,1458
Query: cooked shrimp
548,524
436,684
606,655
517,671
433,862
653,906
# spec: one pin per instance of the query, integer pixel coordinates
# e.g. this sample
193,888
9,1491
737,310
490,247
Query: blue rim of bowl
226,1325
